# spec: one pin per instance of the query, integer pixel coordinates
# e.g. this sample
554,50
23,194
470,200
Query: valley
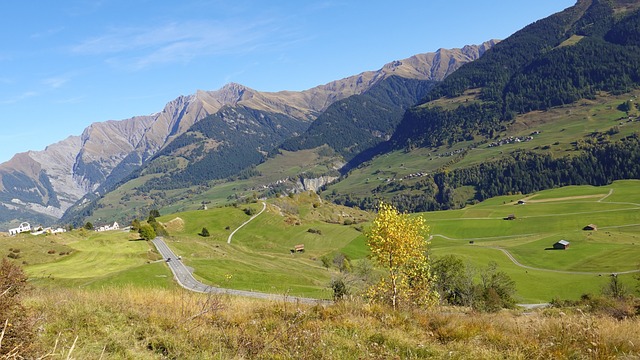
119,297
259,258
522,156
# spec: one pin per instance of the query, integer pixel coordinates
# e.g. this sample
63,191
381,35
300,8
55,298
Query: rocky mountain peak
233,93
108,151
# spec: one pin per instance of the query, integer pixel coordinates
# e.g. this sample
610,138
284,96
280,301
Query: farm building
24,227
297,248
561,245
115,226
589,227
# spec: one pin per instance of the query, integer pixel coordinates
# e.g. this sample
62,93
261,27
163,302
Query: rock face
50,181
314,184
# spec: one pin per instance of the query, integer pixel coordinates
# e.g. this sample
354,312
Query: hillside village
25,227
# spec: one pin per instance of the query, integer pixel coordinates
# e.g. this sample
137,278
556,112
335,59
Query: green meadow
259,255
91,260
479,231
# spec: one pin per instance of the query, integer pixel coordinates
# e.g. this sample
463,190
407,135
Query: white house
47,230
58,231
115,226
53,231
24,227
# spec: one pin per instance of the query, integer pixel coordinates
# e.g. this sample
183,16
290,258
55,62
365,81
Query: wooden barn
561,245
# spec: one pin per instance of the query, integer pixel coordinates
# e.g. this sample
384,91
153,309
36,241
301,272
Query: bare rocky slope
42,185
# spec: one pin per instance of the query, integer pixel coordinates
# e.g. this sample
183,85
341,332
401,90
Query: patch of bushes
457,283
618,308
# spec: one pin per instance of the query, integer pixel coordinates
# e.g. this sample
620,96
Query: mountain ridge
55,178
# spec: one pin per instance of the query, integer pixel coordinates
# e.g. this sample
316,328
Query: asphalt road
184,277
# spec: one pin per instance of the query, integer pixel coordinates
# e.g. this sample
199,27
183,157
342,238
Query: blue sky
67,64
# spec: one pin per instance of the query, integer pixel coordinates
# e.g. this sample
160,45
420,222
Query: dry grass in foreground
174,324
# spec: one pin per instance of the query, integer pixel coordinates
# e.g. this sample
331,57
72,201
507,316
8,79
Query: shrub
339,289
341,261
326,262
159,229
204,232
146,232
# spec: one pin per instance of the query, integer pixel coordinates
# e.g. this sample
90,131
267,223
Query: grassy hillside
89,259
259,258
545,218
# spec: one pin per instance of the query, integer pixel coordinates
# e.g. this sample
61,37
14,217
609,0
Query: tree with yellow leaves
398,243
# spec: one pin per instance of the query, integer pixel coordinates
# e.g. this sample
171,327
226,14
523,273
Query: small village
25,227
512,140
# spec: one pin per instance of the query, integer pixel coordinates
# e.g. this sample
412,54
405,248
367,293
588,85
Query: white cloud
55,82
137,48
72,100
47,33
18,98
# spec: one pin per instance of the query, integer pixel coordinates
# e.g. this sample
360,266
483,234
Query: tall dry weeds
17,326
129,323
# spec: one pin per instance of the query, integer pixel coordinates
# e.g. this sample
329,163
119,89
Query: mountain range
40,186
554,104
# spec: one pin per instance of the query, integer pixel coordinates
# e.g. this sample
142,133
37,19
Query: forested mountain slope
573,74
568,56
